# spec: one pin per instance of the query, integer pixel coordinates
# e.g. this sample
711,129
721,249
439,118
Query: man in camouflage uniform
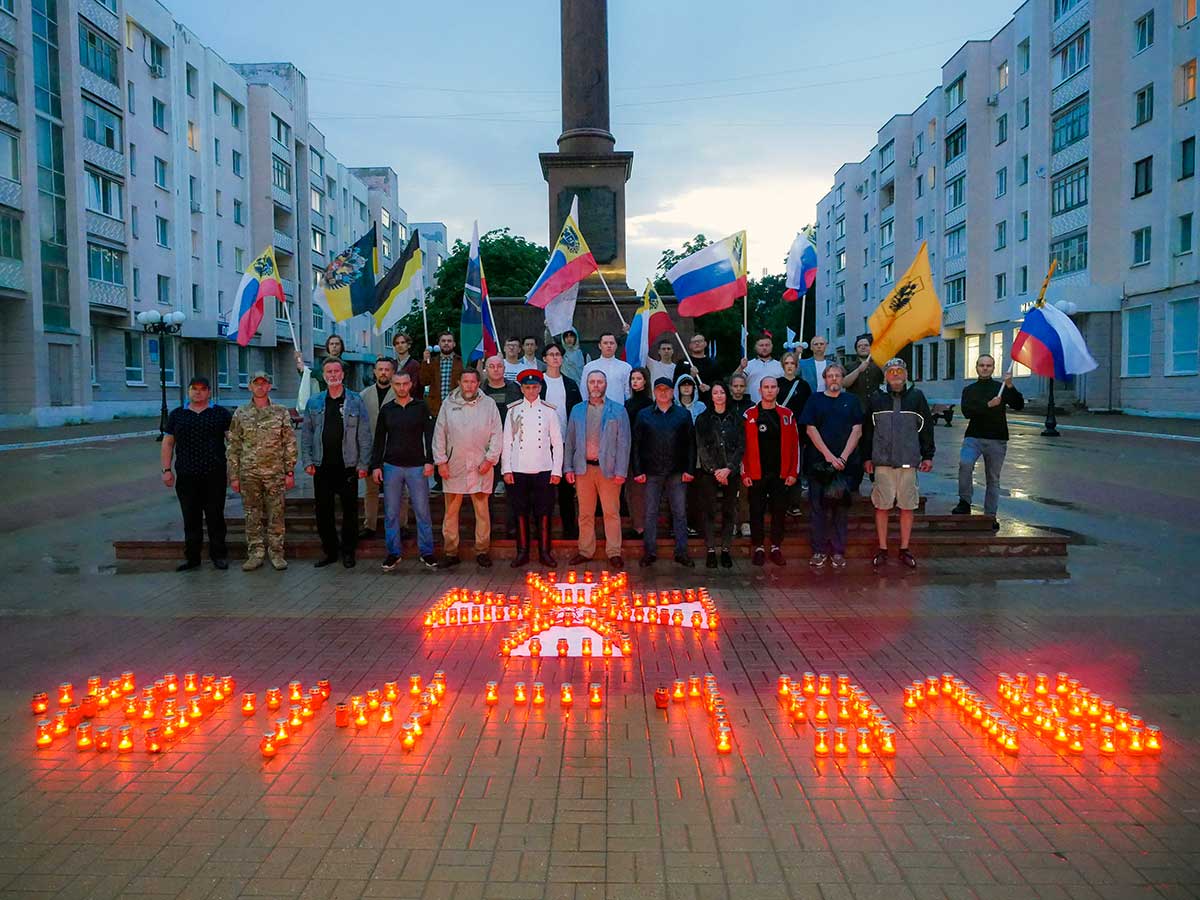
261,457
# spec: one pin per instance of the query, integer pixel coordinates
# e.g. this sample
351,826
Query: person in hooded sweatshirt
574,359
686,396
720,443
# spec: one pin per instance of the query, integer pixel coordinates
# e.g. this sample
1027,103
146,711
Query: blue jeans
398,480
829,521
676,492
993,452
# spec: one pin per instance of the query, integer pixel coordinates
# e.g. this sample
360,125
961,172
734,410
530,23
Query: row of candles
378,703
1059,713
995,725
536,695
703,689
855,718
611,638
302,707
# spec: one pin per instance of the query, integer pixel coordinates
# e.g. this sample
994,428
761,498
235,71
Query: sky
738,114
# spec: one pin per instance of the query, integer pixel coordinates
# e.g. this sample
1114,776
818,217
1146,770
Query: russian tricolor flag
801,268
260,281
710,279
1051,346
557,287
650,322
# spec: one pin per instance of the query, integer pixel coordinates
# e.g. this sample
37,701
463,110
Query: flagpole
1051,429
803,307
425,316
624,324
287,314
745,325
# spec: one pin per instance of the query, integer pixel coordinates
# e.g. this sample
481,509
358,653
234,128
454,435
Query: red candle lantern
295,719
61,727
282,735
127,682
228,685
295,691
385,713
114,688
843,685
373,699
415,721
40,703
439,683
1062,683
783,686
103,738
1010,745
887,741
539,693
191,683
561,647
391,691
821,741
195,711
679,691
1153,739
797,709
125,739
492,696
662,697
326,687
167,730
93,684
66,694
843,709
1108,743
808,683
824,685
586,649
566,694
268,746
88,706
408,738
360,720
182,723
519,696
341,715
274,698
840,747
1136,745
414,685
171,684
822,712
1061,735
147,709
44,736
248,699
863,747
724,739
153,741
910,699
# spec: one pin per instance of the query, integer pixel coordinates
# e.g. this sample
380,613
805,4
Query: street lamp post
1051,429
154,322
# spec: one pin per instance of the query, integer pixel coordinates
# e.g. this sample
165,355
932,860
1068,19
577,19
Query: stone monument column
586,165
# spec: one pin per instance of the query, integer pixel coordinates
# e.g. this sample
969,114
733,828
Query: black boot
545,557
522,558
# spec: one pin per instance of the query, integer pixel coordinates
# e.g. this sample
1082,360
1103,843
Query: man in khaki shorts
897,442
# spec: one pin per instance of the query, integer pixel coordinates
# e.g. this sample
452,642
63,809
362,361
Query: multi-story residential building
1069,135
435,245
140,171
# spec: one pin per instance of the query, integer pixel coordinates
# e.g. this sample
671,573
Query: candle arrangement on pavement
845,719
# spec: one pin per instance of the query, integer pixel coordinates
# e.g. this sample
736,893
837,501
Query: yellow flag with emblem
910,312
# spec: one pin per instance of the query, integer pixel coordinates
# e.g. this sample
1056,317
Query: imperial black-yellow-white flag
401,286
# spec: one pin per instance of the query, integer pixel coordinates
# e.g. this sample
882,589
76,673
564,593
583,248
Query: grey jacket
356,435
614,440
897,430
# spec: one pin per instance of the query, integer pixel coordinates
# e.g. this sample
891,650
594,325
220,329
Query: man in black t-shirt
195,436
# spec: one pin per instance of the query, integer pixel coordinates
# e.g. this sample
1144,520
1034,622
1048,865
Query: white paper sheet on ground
574,635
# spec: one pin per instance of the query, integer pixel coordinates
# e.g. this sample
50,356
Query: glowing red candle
40,703
125,739
268,746
44,736
248,699
66,694
594,696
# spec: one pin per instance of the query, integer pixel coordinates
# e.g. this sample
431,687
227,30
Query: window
1073,56
216,151
1023,56
1143,105
237,213
1137,342
133,221
956,143
101,125
956,93
1001,289
235,114
956,193
162,232
1183,337
1070,252
314,200
951,357
134,372
190,77
106,265
316,162
220,253
1183,234
156,53
130,92
133,160
841,260
281,131
164,289
222,366
193,137
956,290
160,172
318,317
887,154
281,174
1002,76
1187,11
1187,158
385,247
1001,235
1002,182
972,352
1023,226
196,300
1143,32
193,193
1062,7
385,218
1143,176
10,157
216,100
167,360
104,195
887,272
932,372
8,76
1069,189
1023,280
1002,129
1141,246
919,228
97,54
1023,170
10,236
1070,124
243,364
1024,109
887,233
920,186
239,259
1187,81
318,241
137,283
217,203
235,159
158,113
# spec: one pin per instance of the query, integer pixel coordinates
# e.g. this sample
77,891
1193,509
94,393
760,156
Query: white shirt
819,365
556,396
532,362
616,371
532,439
758,369
661,370
513,369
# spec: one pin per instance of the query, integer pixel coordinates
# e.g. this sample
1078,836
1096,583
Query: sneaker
390,562
221,564
483,560
839,561
906,558
726,560
963,509
759,558
187,566
348,561
278,563
448,562
325,561
995,524
818,560
430,561
777,557
686,561
795,512
617,562
710,559
647,561
745,529
252,563
879,560
693,532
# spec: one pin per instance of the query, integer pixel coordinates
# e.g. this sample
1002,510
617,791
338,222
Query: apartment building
1068,135
141,171
435,245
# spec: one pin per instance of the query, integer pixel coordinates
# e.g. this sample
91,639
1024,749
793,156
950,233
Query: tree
511,264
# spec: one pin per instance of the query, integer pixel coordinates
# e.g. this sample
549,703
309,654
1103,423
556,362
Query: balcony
107,296
282,198
12,275
955,314
285,243
888,213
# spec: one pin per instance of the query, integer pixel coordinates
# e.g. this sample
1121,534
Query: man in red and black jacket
769,467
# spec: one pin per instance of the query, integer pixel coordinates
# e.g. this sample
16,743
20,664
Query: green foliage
511,264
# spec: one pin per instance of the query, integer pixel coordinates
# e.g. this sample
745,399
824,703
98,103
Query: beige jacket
465,434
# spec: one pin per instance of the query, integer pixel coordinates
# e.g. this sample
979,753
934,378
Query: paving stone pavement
627,801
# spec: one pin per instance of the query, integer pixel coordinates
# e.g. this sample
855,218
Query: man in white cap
532,461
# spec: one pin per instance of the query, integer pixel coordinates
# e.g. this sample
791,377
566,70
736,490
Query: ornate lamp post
154,322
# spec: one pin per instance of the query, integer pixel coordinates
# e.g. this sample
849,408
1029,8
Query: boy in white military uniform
531,462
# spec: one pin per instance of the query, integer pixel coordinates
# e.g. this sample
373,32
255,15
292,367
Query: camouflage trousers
262,499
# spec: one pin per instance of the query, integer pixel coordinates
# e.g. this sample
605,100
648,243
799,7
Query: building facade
1069,135
141,171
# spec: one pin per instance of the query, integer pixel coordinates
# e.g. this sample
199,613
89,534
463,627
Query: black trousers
769,494
202,499
568,510
531,494
718,505
330,482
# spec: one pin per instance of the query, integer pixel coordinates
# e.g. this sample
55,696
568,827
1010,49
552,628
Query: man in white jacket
466,447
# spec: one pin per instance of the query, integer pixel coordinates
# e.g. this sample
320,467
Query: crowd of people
730,457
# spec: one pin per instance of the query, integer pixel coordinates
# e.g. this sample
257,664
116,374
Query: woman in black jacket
720,442
639,398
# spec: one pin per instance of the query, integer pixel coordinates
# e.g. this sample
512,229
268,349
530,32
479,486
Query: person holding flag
477,328
557,288
650,326
987,435
801,270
